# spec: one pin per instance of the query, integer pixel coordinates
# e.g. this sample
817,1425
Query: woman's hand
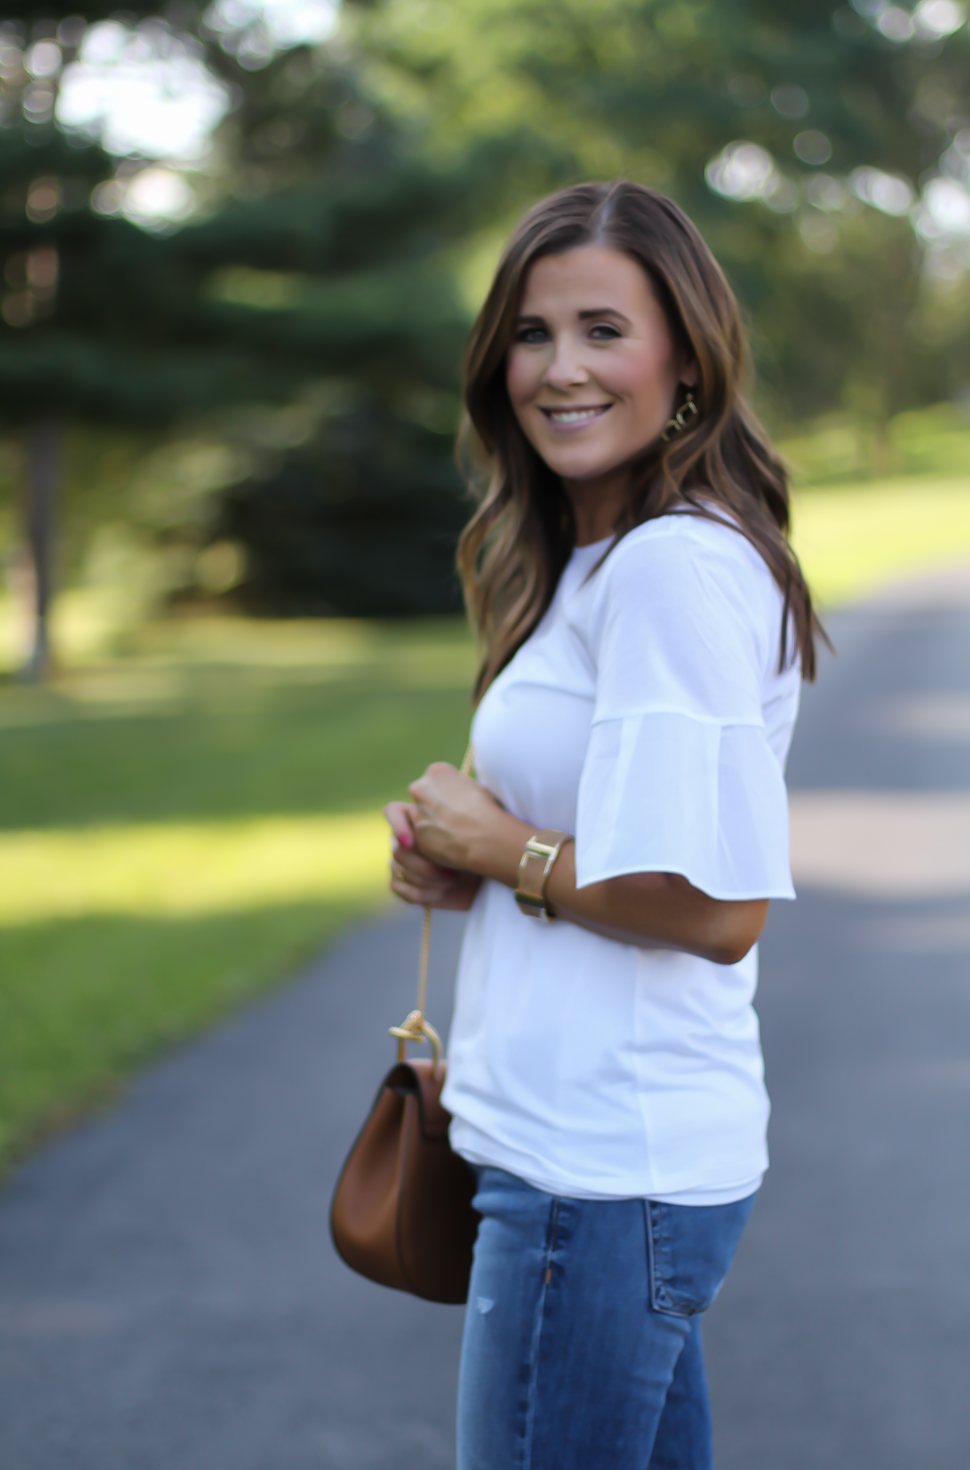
418,880
454,833
449,837
456,821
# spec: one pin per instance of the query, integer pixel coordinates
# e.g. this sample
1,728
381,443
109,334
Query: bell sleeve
679,776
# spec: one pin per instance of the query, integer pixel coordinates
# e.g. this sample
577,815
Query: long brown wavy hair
513,550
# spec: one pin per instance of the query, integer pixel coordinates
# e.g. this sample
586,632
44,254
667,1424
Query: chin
581,466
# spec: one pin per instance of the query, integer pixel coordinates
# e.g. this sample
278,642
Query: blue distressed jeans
582,1346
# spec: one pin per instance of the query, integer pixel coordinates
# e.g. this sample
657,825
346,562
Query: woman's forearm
653,910
458,825
656,911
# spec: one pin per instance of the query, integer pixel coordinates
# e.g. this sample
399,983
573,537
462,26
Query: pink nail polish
406,840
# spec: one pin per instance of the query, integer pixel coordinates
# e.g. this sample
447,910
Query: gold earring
678,423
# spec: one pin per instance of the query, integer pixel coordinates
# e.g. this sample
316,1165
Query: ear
690,374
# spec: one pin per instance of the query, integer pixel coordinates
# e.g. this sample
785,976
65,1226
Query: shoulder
680,555
677,628
691,583
683,536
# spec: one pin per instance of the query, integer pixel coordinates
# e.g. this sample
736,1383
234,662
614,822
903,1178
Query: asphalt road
169,1299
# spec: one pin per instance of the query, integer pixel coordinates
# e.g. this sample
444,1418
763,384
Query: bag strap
417,1027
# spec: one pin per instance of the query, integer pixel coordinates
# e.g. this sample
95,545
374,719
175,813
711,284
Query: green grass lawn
185,821
182,825
853,540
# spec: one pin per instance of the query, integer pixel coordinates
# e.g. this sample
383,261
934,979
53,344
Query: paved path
169,1299
842,1337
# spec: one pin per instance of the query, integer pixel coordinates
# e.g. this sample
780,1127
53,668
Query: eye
532,335
604,332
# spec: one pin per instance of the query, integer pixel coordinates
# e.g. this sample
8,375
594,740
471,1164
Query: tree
107,322
774,124
355,182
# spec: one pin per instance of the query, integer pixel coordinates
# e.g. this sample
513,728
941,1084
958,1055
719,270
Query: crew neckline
596,545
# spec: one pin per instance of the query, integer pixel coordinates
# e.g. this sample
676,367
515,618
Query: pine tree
105,322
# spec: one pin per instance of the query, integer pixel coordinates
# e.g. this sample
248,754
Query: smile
570,417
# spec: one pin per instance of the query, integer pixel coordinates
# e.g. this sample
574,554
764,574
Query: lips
581,414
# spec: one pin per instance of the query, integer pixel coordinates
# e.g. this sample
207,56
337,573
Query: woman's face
593,370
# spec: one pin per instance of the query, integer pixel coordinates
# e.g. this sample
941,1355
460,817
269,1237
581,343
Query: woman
645,627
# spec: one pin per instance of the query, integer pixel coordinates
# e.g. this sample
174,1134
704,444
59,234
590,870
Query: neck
597,504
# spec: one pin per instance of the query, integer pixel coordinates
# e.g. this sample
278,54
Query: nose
566,368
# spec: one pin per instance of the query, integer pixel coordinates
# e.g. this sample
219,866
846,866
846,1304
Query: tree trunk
43,469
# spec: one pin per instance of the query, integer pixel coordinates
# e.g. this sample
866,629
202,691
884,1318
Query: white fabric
647,715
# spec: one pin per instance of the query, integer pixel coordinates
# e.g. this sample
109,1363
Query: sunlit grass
856,531
854,539
183,824
182,869
84,1001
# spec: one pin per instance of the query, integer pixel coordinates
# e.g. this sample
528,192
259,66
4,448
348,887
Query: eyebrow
584,316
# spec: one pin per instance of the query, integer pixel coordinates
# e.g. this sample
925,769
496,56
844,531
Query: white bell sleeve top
648,715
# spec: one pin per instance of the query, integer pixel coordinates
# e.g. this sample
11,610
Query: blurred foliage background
241,244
